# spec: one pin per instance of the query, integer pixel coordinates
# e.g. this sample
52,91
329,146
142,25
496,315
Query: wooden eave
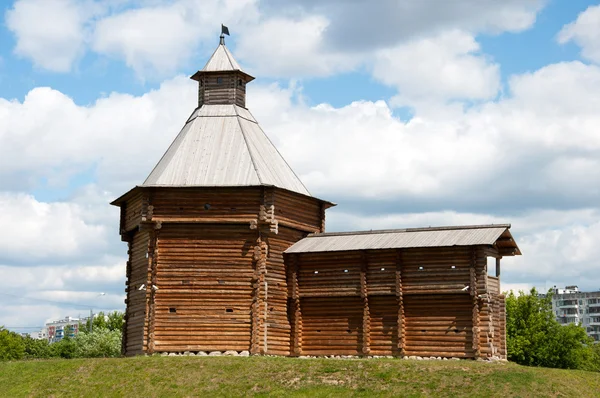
128,194
197,76
123,198
506,245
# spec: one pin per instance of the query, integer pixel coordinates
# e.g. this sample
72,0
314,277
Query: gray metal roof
405,238
223,146
221,60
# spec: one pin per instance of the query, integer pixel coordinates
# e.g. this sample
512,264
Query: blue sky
405,113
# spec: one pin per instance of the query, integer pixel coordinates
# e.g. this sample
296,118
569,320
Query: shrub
100,343
37,348
535,338
11,345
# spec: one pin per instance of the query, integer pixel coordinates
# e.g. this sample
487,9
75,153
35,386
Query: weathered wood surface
493,285
297,211
205,287
424,302
221,282
137,276
278,322
332,326
131,212
439,325
217,267
222,88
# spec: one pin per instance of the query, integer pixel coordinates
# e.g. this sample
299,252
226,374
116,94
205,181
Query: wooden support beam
475,299
150,292
258,298
364,294
128,289
498,266
400,298
322,210
295,310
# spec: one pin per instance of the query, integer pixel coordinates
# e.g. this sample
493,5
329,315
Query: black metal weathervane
224,31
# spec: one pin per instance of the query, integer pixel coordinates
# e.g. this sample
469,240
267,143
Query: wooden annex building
228,252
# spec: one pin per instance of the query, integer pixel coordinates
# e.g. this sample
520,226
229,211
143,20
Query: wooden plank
400,297
366,317
475,303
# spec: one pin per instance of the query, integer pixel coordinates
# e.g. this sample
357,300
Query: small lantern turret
222,81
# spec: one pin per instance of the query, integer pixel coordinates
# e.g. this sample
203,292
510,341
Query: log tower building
227,252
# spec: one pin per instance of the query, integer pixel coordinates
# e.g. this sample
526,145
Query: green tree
535,338
11,345
65,348
100,343
37,348
111,321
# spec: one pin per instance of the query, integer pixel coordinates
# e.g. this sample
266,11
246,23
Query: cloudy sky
404,112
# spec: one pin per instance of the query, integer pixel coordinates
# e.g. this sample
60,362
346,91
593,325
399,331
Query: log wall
278,321
205,205
212,262
422,302
230,89
134,330
298,211
204,277
131,213
215,272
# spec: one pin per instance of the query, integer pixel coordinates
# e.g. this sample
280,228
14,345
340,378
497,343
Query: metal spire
224,31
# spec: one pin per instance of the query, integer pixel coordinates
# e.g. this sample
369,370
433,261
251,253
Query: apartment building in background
570,305
57,330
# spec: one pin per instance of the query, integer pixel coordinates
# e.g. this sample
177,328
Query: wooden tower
207,229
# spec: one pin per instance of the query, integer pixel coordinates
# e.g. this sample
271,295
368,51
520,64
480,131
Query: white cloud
52,33
283,39
363,25
559,247
54,282
585,32
526,148
53,232
293,47
161,38
447,66
48,136
558,256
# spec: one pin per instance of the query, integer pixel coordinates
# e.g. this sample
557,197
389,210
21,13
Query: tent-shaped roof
223,146
470,235
221,61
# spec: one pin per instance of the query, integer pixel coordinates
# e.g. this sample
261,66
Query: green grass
262,376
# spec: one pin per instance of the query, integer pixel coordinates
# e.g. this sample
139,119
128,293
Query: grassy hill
235,376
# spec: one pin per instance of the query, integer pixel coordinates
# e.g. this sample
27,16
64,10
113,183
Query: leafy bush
535,338
103,341
100,343
11,345
111,321
65,348
37,348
